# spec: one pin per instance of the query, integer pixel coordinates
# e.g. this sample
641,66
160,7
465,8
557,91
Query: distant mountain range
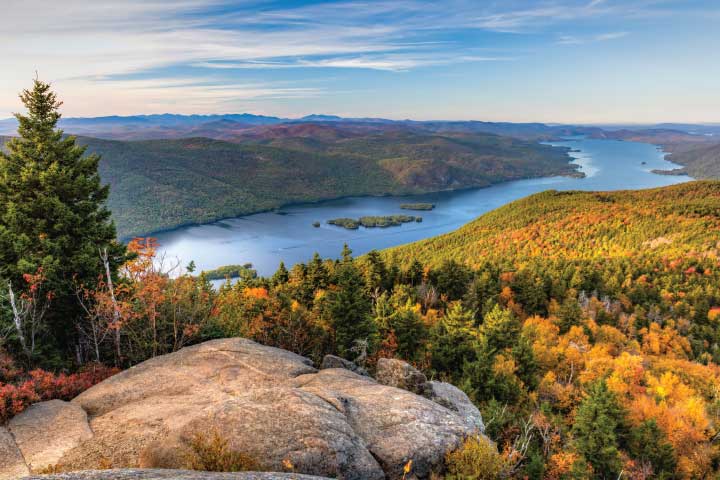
237,127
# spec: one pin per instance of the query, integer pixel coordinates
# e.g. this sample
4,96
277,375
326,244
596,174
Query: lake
265,239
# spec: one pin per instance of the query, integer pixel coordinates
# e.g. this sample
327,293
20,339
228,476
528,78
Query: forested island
374,221
230,271
417,206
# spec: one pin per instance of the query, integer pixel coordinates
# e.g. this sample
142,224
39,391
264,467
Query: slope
670,221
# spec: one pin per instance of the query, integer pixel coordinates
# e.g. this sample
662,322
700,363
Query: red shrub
42,385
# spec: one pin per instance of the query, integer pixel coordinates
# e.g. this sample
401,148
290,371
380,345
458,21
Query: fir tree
500,328
52,211
649,445
281,276
348,307
595,431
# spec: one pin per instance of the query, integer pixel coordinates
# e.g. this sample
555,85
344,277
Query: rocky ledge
269,404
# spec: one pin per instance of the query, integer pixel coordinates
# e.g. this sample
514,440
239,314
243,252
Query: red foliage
41,385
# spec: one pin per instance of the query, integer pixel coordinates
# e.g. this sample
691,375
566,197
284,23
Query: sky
555,61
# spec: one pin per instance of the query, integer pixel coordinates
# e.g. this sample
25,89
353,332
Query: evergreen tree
317,274
451,279
348,307
346,254
376,275
500,328
52,212
281,276
410,331
453,338
649,445
595,431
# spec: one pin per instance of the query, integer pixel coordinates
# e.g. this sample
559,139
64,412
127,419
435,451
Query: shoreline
125,239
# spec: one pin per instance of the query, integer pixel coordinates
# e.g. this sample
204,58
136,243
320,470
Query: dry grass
211,452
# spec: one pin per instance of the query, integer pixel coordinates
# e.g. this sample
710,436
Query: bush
210,452
476,459
41,385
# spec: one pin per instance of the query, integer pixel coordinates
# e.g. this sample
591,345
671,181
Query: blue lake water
267,238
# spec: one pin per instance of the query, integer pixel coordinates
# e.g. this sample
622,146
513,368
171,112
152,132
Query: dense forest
584,325
201,180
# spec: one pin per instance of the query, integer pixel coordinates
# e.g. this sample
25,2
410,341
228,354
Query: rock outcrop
399,374
450,396
46,431
12,463
156,474
267,403
333,361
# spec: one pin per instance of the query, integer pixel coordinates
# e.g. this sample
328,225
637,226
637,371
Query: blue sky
590,61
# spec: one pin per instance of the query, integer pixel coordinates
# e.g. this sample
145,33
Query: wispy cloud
580,40
97,51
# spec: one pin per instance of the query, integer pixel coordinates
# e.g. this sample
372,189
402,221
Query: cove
288,235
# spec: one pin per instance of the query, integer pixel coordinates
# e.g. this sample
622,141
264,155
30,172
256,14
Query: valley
288,235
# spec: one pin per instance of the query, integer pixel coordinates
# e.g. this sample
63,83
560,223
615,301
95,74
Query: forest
201,180
584,325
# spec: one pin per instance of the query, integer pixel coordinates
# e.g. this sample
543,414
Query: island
231,271
374,221
417,206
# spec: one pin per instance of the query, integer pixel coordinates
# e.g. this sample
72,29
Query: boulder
47,430
451,397
155,474
399,374
266,403
333,361
12,463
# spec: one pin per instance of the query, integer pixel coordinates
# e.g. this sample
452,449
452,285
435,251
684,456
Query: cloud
82,44
602,37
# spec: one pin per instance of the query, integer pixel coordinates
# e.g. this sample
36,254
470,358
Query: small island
316,224
675,171
374,221
231,271
417,206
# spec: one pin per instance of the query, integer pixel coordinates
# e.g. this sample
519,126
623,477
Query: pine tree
348,308
649,445
595,431
52,211
453,339
500,328
281,275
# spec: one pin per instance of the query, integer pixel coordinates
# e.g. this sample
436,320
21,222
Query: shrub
41,385
210,452
476,459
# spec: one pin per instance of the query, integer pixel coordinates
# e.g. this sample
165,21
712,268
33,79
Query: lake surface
267,238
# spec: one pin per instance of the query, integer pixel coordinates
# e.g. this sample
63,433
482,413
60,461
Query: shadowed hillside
162,184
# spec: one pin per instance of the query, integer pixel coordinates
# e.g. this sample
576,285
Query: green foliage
417,206
372,222
499,329
595,431
201,180
476,459
244,272
348,309
649,445
53,219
